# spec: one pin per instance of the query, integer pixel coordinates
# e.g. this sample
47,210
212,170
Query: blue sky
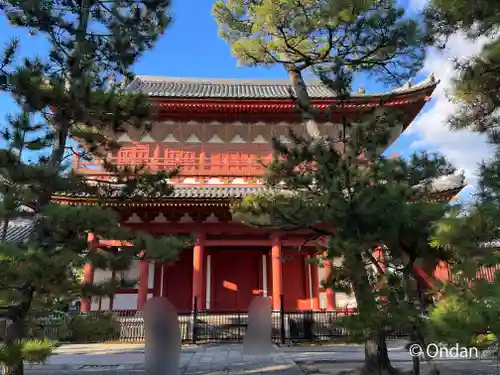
192,48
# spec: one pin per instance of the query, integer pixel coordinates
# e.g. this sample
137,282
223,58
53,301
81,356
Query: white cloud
464,149
417,4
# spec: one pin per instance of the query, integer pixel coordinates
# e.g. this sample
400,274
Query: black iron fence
196,326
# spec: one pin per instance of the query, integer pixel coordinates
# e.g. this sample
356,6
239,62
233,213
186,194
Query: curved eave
197,202
231,89
161,202
276,110
399,96
395,99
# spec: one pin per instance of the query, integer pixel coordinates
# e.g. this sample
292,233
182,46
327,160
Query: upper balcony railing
189,165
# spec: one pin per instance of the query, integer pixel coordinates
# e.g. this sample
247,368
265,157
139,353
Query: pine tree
64,97
476,84
360,204
472,233
373,37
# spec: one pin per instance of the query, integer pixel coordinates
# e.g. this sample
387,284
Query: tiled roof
192,192
199,88
216,192
450,183
18,231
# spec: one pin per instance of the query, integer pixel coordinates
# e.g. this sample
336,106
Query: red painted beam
179,228
114,243
268,243
421,273
221,242
131,291
209,228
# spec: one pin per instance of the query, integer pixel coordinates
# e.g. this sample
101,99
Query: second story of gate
220,130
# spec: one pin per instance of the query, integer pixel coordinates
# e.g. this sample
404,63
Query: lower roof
21,230
449,185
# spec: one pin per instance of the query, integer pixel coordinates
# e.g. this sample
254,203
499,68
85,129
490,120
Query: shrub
484,341
32,350
94,328
455,320
53,327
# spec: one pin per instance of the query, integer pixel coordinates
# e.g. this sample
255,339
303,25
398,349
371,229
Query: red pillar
277,274
378,254
88,273
315,286
442,272
331,304
198,283
143,287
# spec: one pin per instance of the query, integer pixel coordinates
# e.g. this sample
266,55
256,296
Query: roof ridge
222,81
242,88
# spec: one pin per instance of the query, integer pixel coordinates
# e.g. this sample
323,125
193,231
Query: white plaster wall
94,306
321,275
105,304
322,301
101,275
121,302
133,273
322,270
125,302
151,275
343,301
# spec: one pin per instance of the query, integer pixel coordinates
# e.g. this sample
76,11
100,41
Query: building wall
212,148
294,275
232,279
177,280
236,277
342,300
122,301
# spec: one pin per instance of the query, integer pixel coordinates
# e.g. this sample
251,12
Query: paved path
128,359
123,360
445,367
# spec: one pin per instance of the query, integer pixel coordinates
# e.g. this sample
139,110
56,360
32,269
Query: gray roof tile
190,192
186,88
18,231
450,183
216,192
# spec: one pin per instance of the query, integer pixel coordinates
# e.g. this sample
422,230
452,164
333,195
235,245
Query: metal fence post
308,323
282,319
194,327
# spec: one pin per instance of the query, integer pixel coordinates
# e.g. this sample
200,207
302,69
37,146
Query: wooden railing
200,166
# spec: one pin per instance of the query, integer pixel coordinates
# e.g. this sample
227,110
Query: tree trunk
303,100
416,365
377,360
5,228
112,296
377,356
14,334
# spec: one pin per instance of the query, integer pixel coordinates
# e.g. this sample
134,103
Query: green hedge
93,328
77,328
